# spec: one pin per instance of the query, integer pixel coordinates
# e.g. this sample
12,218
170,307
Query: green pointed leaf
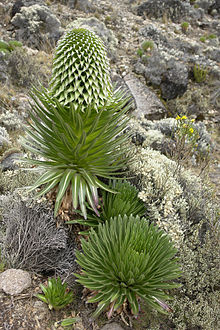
64,183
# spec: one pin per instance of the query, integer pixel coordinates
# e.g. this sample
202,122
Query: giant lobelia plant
77,128
126,260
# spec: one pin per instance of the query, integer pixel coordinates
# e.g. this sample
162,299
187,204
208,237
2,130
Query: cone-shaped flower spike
81,70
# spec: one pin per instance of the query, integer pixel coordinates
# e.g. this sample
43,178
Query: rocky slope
166,55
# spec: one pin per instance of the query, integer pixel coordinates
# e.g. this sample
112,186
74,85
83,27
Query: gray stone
153,70
14,281
147,103
3,69
2,9
174,81
151,32
18,4
209,5
83,5
112,326
4,137
9,162
35,25
175,10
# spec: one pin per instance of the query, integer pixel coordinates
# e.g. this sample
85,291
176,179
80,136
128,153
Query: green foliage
8,47
184,26
128,259
67,322
147,45
208,37
124,202
199,73
202,39
212,36
140,52
56,294
2,262
81,71
77,147
108,19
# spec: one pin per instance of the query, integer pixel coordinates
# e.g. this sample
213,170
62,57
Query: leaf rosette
125,201
55,294
125,260
76,148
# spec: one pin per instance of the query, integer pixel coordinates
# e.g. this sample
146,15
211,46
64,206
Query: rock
9,162
83,5
17,7
35,25
4,138
101,30
112,326
147,103
175,81
18,4
14,281
2,9
170,75
209,5
3,69
175,10
153,70
151,32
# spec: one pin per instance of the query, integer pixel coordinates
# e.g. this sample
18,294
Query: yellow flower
184,125
191,130
184,117
178,117
192,120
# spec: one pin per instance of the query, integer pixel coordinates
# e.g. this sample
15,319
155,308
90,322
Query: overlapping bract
77,148
81,73
125,201
127,259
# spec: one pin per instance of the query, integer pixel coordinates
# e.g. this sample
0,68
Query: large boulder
174,82
84,5
14,281
168,74
146,101
175,10
18,4
36,25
